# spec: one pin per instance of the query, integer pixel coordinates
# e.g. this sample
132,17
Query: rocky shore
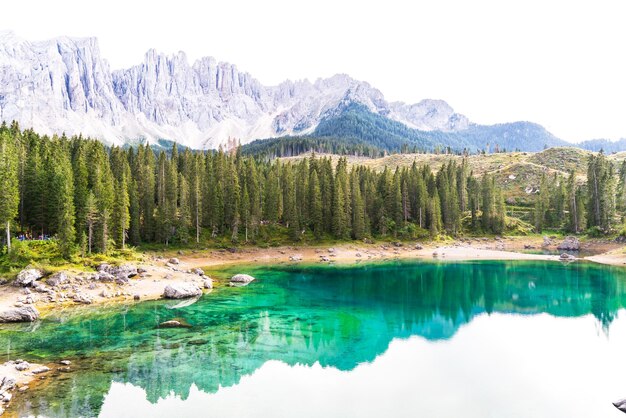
15,376
34,291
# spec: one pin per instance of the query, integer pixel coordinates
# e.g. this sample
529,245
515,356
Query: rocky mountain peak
64,85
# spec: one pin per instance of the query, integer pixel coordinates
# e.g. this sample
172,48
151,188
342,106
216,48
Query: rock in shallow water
181,291
241,280
42,369
175,323
21,314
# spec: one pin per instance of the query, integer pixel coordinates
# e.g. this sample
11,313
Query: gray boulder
84,299
241,280
7,383
124,271
569,244
28,276
104,276
197,271
22,365
118,274
208,282
567,257
42,369
21,314
174,261
57,279
181,291
103,267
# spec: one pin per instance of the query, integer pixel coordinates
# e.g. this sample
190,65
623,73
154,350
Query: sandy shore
157,273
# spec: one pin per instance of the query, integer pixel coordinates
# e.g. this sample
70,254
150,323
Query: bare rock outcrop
181,291
19,314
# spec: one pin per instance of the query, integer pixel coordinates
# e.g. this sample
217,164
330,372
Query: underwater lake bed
402,339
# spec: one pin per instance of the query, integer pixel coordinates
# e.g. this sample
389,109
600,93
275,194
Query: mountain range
64,85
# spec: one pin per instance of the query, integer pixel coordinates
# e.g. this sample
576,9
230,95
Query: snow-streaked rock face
64,85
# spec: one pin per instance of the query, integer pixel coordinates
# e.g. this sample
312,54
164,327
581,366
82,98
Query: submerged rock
569,244
42,369
241,280
184,303
175,323
181,291
28,276
19,314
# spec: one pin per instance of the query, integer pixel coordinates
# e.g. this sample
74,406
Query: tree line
93,198
576,205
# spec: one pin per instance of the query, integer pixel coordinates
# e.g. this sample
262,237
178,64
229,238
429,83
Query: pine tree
434,209
62,194
9,186
488,202
91,217
358,207
245,210
121,211
102,183
184,210
290,207
315,208
574,206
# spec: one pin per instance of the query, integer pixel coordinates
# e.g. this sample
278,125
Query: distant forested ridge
356,131
603,145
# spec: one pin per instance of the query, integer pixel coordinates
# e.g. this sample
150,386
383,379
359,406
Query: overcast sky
558,63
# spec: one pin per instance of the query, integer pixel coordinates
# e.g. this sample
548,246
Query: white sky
558,63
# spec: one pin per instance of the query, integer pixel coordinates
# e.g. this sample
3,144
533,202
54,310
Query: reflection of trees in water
338,317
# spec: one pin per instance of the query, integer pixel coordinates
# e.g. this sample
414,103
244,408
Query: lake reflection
475,339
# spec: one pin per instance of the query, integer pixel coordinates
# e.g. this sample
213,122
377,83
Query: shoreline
157,273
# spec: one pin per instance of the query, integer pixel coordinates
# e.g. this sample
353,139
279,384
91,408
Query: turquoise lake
395,339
